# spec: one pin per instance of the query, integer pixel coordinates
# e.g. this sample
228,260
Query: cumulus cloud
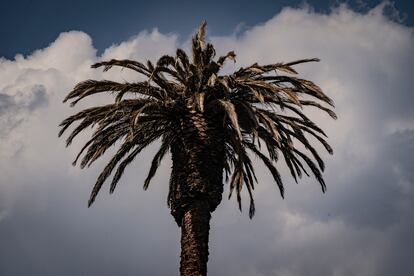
360,227
13,105
14,108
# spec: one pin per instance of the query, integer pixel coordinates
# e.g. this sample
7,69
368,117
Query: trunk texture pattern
198,161
196,184
194,240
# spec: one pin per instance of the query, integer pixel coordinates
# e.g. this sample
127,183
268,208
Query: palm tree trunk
195,228
196,187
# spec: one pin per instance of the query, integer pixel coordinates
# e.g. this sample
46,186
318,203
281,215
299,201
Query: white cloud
66,54
145,46
352,230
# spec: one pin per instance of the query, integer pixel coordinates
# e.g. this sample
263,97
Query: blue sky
29,25
362,226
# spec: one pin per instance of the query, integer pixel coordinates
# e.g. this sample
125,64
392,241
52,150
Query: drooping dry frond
182,99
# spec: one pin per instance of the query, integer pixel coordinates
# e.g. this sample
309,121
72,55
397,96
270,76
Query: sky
361,226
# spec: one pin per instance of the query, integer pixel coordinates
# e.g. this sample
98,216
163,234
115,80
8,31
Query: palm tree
209,123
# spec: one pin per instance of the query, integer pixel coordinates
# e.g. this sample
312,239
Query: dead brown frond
188,103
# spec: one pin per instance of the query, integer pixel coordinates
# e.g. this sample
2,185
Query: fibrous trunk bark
196,185
195,228
198,162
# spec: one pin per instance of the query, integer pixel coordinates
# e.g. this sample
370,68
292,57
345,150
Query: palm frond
126,63
187,102
156,162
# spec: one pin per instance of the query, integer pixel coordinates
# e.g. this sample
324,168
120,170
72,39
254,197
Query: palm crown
223,117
